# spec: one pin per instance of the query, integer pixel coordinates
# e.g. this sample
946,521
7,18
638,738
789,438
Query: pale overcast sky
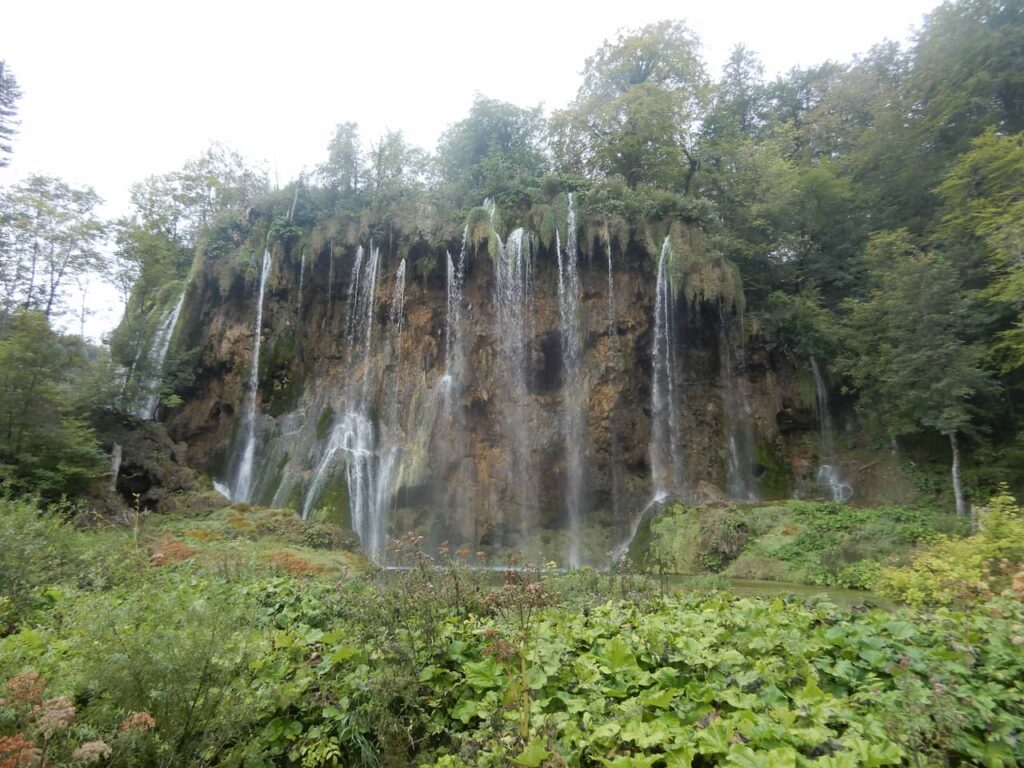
117,91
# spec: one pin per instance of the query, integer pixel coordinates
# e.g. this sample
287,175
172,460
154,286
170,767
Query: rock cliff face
426,390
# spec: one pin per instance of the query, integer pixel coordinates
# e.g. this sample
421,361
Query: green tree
912,353
637,113
51,235
9,95
344,167
494,151
983,224
396,170
45,445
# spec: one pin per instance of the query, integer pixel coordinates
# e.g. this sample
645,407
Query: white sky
117,91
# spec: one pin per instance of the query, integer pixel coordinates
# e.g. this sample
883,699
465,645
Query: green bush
953,570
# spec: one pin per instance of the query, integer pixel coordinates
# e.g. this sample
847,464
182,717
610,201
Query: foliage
43,550
634,115
46,446
952,570
214,663
911,354
981,219
50,234
9,95
821,543
494,152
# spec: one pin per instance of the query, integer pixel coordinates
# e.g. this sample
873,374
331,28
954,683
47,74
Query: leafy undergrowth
964,570
819,543
220,661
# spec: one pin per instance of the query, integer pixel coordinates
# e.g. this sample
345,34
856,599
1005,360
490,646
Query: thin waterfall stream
242,488
157,358
573,397
830,476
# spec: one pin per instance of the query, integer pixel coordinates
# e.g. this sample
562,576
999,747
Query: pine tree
9,95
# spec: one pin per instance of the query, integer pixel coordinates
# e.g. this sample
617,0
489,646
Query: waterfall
242,489
738,421
330,281
353,300
302,280
514,300
612,366
396,323
573,413
666,434
450,433
453,331
370,455
828,447
157,356
397,312
829,475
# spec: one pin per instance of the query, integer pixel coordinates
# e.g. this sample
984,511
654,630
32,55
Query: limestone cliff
416,383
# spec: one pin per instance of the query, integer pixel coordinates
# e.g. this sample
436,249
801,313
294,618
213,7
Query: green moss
667,541
323,424
277,379
775,482
333,507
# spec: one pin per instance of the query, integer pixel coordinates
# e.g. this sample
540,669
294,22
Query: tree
51,236
496,150
982,222
396,168
45,447
739,98
218,180
343,170
914,360
637,113
9,95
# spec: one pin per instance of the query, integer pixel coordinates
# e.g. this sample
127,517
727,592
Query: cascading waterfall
573,405
453,347
829,475
242,489
353,302
452,431
370,459
157,357
826,431
666,434
613,425
329,308
738,426
302,280
514,299
397,312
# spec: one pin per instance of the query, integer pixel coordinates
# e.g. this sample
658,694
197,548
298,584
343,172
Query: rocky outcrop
444,455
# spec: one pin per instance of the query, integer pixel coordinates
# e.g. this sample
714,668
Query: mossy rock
333,506
775,481
323,424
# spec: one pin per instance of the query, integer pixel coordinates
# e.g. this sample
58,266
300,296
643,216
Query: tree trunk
958,491
115,465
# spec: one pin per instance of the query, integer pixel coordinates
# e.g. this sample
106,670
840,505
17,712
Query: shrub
964,569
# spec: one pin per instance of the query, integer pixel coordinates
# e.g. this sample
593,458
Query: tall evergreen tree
9,95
